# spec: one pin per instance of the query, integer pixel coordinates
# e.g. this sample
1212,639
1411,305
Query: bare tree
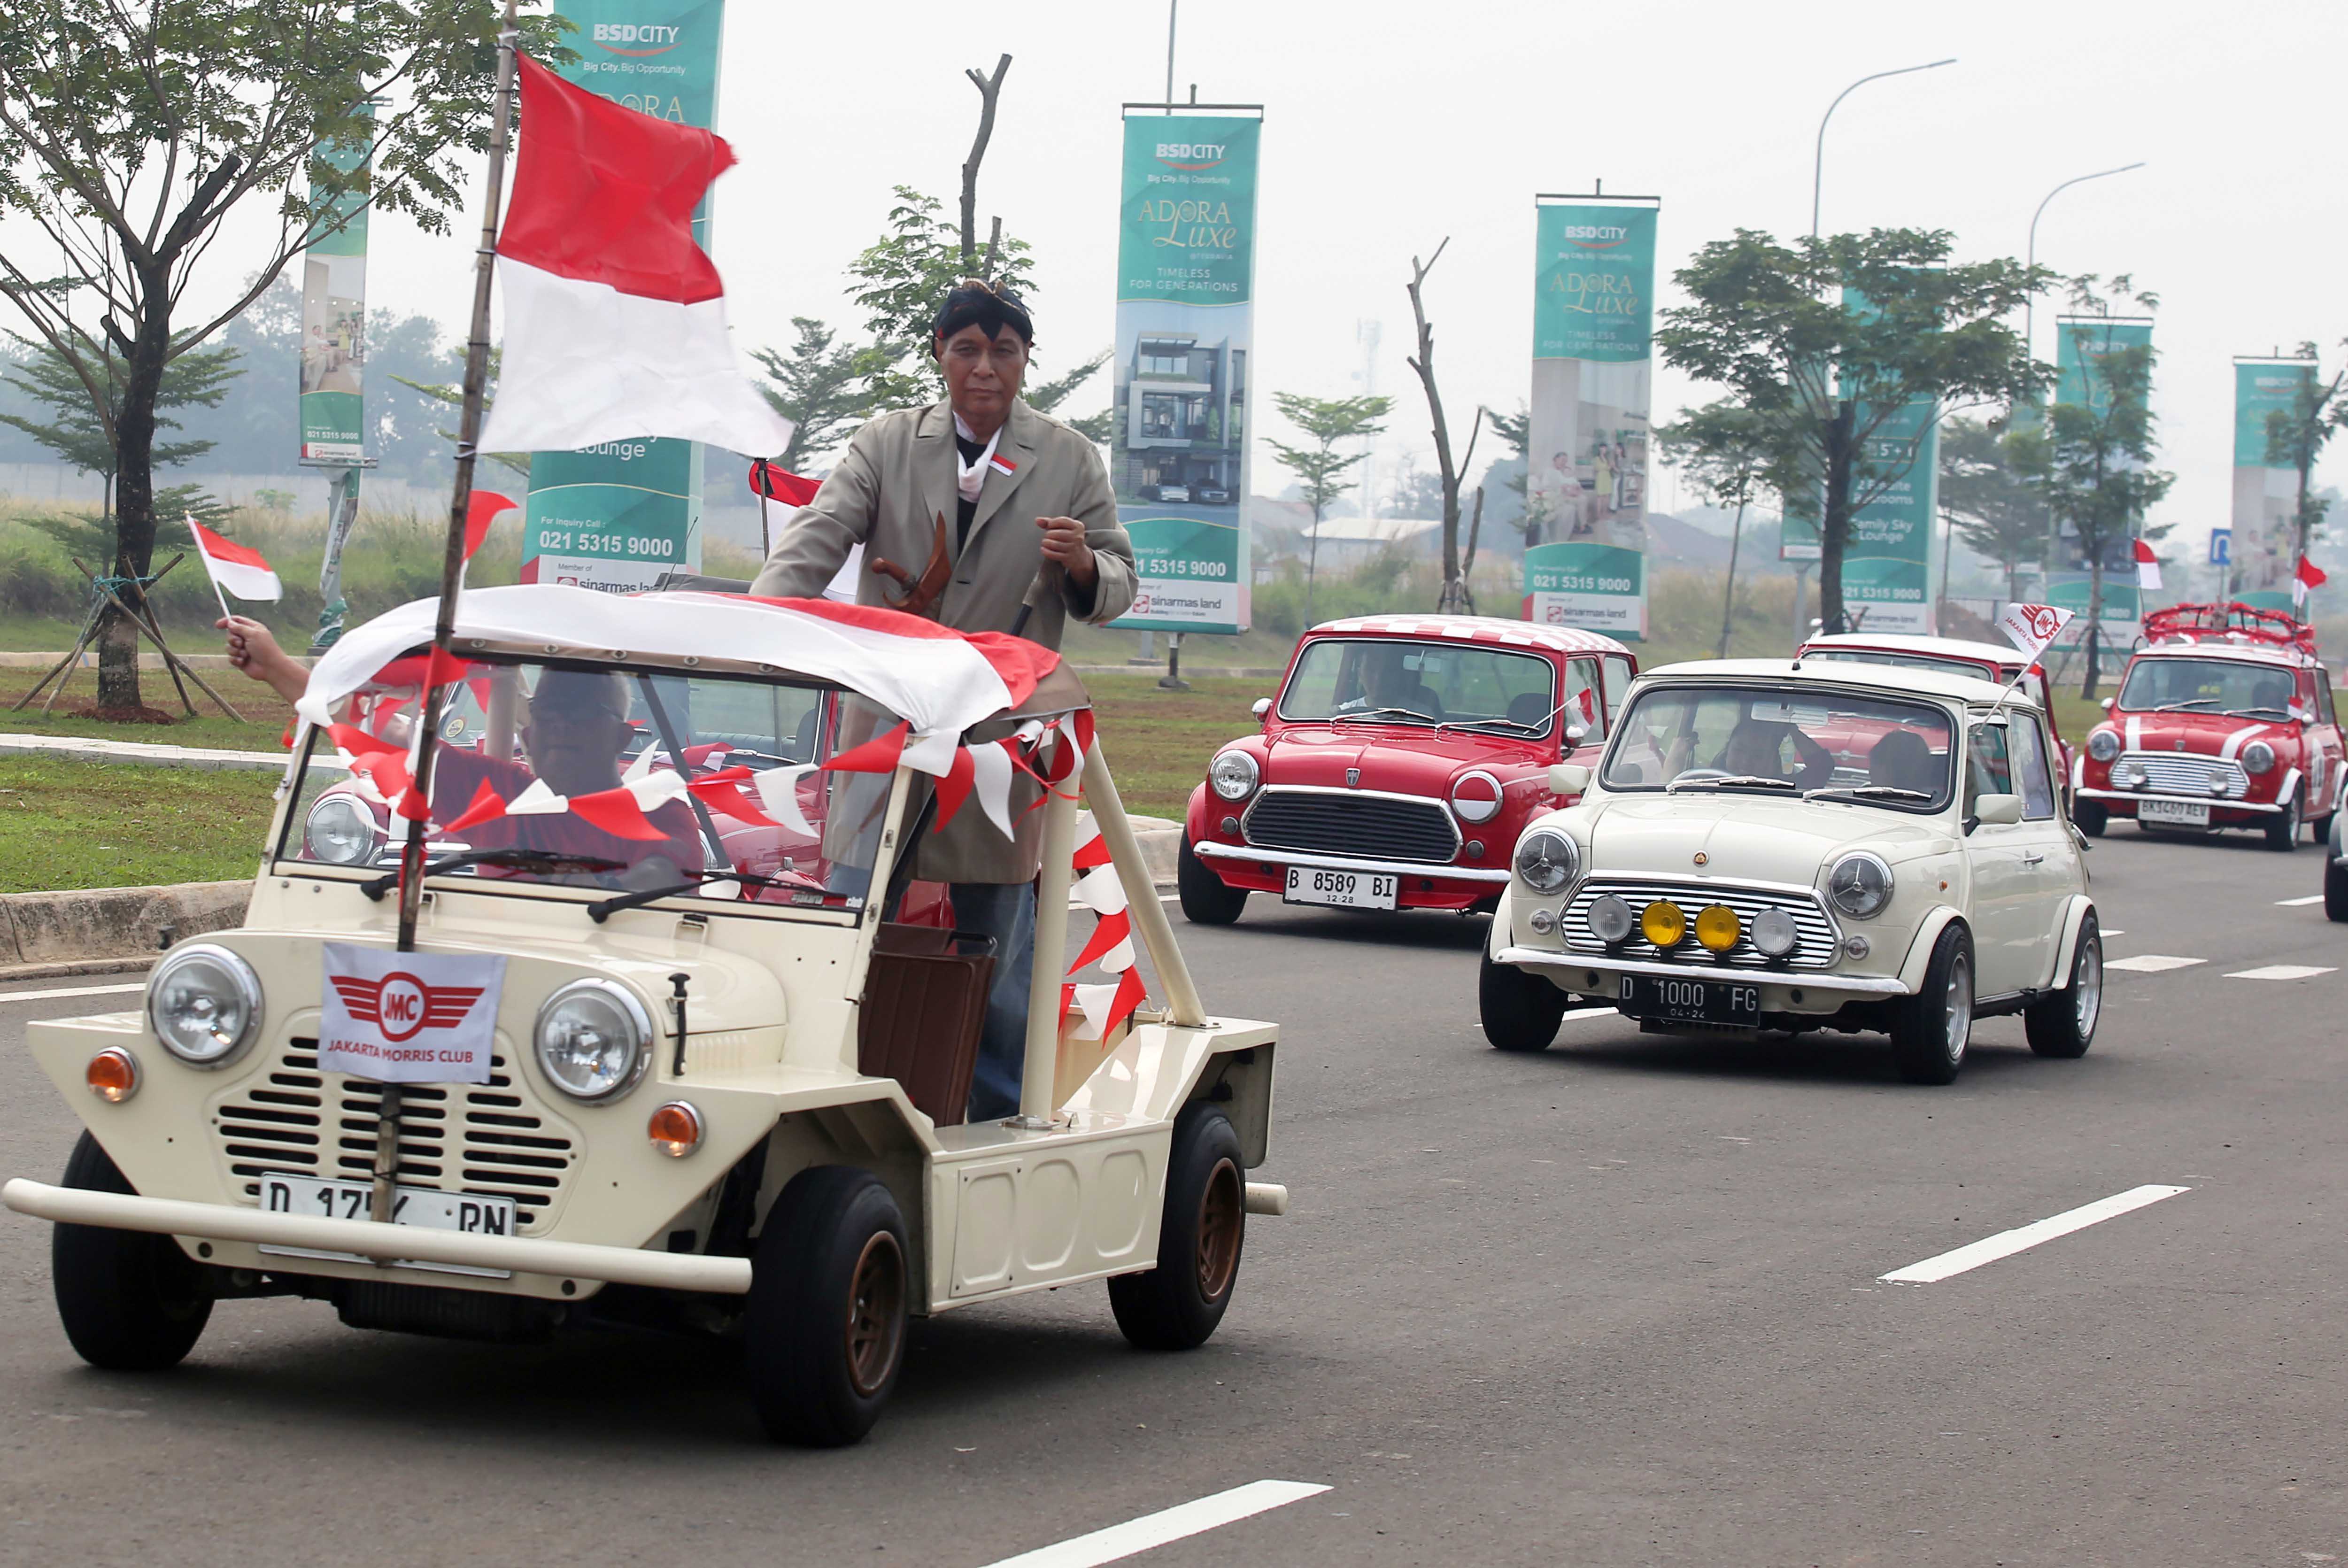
1455,597
989,87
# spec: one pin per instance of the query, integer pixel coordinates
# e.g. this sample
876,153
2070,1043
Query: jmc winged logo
403,1005
409,1017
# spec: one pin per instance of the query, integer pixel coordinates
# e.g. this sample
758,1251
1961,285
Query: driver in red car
575,738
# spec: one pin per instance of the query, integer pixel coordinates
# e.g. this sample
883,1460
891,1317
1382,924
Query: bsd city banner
1586,452
2266,494
2080,344
1178,422
334,327
616,516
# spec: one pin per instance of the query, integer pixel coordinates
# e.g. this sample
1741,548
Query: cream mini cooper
1775,846
669,1047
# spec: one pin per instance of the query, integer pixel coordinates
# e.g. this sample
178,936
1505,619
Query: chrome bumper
216,1221
1839,985
1206,851
2214,802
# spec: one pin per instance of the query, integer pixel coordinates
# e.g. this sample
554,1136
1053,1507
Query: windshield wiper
2254,712
1374,712
546,863
1480,723
1731,781
2188,702
604,908
1871,792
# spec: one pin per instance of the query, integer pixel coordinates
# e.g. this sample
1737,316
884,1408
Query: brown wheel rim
1221,1216
876,1313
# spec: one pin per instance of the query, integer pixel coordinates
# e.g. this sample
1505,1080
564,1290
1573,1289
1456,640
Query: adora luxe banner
1587,446
1180,424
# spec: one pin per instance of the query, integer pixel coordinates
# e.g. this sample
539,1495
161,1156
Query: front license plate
420,1206
2173,813
1679,1001
1345,890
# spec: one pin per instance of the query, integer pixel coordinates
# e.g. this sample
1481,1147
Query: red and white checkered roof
1477,629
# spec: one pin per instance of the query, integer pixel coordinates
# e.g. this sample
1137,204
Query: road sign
2221,547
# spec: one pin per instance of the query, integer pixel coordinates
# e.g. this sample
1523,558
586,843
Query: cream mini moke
1782,847
664,1051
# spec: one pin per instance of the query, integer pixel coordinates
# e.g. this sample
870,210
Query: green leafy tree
1732,457
79,431
2296,437
1515,431
1991,506
132,130
819,387
2093,467
1323,474
1770,322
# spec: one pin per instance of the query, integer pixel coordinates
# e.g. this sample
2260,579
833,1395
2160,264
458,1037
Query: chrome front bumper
390,1243
1207,851
1838,984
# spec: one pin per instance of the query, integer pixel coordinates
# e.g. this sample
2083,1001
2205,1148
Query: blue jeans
1006,911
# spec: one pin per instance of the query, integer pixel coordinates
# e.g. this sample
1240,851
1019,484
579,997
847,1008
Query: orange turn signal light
674,1130
112,1074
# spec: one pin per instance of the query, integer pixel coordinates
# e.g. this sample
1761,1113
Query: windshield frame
2286,673
1548,730
1955,716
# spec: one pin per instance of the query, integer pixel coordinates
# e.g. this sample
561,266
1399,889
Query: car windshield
2206,685
1787,741
622,778
1977,671
1390,681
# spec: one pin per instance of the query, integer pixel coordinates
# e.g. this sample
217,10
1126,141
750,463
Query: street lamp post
2029,304
1818,164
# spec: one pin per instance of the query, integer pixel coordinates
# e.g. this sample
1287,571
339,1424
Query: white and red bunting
1106,1006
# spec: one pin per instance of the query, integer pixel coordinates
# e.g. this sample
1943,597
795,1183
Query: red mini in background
2224,720
1998,662
1397,764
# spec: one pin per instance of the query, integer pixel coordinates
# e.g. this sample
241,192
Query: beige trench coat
895,482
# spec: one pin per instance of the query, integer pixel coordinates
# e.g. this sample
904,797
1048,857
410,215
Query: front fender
1920,950
1497,935
1194,816
2074,920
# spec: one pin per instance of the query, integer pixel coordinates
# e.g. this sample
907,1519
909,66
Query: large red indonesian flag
614,319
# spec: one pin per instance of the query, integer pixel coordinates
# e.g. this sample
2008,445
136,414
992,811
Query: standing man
967,509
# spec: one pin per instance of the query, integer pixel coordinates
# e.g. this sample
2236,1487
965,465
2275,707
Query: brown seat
925,1003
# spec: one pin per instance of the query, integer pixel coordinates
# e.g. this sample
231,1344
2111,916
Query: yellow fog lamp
1663,923
1717,928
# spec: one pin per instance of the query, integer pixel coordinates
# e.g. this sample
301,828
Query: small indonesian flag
614,319
2032,628
2147,566
2306,575
237,569
482,509
1001,464
781,484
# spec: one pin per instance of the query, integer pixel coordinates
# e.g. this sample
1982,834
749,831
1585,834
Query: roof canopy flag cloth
614,319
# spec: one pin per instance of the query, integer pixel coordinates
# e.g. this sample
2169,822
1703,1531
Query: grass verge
103,824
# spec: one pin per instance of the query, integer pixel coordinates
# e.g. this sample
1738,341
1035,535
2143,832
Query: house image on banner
1181,404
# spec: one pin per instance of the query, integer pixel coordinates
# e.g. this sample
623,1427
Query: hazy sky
1388,127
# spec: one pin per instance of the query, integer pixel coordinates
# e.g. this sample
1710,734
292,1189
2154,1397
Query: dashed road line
2005,1243
59,995
2299,902
2284,972
1574,1013
2152,962
1153,1530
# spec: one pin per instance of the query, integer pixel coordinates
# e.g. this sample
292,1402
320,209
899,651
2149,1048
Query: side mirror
1262,705
1998,810
2108,702
1569,778
1575,730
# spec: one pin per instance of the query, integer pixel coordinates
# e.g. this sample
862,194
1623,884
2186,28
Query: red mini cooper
1397,765
2223,720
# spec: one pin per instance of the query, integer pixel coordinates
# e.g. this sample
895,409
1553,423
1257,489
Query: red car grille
1365,827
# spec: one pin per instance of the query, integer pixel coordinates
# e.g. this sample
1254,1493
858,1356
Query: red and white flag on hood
236,569
2307,574
2032,628
614,319
2147,566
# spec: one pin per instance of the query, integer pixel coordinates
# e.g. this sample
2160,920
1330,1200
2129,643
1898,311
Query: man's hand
252,650
1064,542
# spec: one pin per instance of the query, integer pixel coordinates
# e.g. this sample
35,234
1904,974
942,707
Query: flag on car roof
614,317
237,569
2147,566
2032,628
2307,574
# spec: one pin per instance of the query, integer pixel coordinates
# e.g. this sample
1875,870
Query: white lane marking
2299,902
1152,1530
2005,1243
8,996
2114,933
2152,962
1574,1013
2283,971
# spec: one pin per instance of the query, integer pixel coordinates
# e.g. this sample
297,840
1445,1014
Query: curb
51,933
149,754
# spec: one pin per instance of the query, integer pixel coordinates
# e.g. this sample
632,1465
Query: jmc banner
334,328
616,516
2080,342
1594,318
2266,495
1185,325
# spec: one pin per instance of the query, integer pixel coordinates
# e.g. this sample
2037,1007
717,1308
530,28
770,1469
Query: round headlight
1476,796
1610,920
1547,862
2132,776
2219,781
341,832
1233,775
1774,933
593,1039
1717,928
1664,923
2258,756
1859,885
2102,746
204,1004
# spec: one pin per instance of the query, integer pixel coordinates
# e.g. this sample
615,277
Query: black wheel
1177,1304
1521,1010
1207,899
2282,828
2335,889
830,1287
129,1301
1930,1029
2064,1025
2091,816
